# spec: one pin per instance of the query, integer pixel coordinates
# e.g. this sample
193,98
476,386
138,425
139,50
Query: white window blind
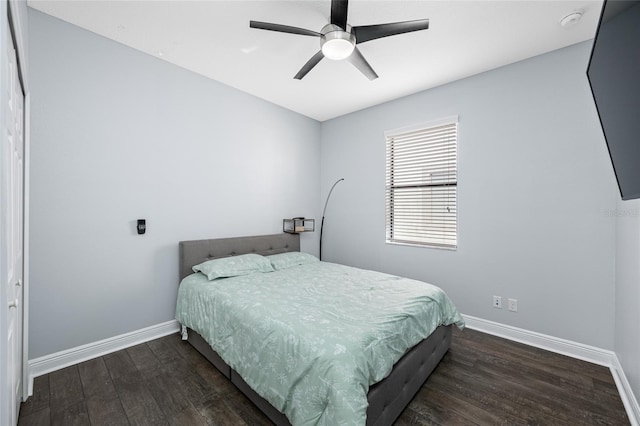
421,185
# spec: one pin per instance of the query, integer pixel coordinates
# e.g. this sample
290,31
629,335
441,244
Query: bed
385,399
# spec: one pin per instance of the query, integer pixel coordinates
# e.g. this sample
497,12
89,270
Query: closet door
13,226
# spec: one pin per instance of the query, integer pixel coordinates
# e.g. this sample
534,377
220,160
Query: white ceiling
213,38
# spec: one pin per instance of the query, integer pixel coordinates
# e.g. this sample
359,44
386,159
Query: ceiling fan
338,40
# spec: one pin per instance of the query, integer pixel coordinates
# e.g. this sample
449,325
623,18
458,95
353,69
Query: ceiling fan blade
339,13
358,61
309,65
282,28
371,32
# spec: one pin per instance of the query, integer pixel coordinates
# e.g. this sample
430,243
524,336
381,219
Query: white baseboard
626,393
554,344
56,361
587,353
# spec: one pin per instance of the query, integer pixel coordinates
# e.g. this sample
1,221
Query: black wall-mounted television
614,76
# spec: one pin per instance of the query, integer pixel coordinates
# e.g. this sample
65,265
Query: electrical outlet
513,305
497,302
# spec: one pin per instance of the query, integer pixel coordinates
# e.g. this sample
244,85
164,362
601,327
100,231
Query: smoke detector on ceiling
571,19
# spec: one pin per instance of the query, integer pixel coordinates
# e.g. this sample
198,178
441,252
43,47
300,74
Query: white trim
626,393
554,344
58,360
433,123
577,350
25,246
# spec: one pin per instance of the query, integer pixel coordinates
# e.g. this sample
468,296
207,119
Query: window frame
389,188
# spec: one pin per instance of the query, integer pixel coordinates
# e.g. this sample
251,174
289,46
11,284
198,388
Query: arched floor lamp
324,211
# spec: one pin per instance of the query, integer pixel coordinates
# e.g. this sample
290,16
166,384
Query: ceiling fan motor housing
336,43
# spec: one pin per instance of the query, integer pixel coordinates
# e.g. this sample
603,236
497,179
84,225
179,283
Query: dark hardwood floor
483,380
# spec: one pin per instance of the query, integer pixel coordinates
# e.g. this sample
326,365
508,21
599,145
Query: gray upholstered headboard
197,251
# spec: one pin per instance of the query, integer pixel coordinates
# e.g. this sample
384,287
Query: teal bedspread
313,338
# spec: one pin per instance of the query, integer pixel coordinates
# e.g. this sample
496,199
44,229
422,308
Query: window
421,185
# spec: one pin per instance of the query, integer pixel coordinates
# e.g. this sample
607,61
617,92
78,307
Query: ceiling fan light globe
335,43
337,49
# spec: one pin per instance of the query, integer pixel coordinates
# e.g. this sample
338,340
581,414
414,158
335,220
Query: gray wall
119,135
627,335
535,183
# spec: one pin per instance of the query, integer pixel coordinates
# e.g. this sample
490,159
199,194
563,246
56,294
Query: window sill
430,246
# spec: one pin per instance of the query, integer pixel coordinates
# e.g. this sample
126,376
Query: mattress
313,339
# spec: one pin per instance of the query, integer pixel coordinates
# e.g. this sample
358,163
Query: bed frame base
387,399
